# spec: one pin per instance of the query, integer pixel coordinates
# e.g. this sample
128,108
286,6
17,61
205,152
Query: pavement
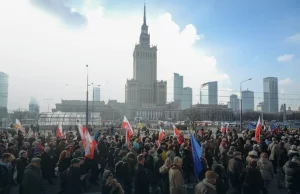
54,189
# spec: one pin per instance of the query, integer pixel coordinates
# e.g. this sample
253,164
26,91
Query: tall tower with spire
144,87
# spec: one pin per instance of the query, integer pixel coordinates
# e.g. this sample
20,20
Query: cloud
294,38
285,58
63,11
286,81
42,56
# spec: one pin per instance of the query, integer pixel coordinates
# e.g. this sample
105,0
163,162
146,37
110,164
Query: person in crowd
292,175
281,160
235,168
164,171
141,178
273,150
293,152
175,177
73,178
266,169
110,185
208,185
22,163
252,155
6,173
46,165
251,179
33,174
222,184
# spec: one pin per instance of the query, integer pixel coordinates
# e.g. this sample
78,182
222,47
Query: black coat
292,175
32,175
73,183
141,180
252,181
64,165
46,166
22,163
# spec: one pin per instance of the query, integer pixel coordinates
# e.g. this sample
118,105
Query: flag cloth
197,153
177,133
251,126
273,127
129,132
161,135
89,144
18,126
223,129
59,131
257,130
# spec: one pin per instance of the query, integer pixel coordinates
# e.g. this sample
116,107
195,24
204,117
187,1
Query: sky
46,44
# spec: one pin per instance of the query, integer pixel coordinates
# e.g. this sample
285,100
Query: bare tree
193,115
19,114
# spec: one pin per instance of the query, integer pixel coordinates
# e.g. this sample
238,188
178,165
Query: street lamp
241,112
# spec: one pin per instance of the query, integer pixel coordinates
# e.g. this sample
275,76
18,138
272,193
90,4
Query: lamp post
87,97
241,112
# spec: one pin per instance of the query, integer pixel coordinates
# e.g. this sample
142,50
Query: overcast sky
46,44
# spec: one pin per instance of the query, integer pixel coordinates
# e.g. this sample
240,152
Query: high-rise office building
187,98
3,90
247,101
178,86
96,93
34,108
234,103
183,96
209,93
144,89
270,95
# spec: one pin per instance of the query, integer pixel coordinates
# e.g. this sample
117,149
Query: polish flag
257,130
18,126
161,135
89,143
129,132
177,133
227,128
223,129
59,131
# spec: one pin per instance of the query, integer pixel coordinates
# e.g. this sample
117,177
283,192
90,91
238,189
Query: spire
144,13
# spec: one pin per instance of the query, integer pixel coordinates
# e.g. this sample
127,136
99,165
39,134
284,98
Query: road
96,189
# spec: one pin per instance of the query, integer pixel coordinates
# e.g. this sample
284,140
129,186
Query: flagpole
87,97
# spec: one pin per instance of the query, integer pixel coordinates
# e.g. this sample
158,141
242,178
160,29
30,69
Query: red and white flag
89,143
129,132
59,131
223,129
177,133
257,130
161,135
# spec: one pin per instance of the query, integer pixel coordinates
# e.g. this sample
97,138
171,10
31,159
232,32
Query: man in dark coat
292,175
235,168
32,174
73,178
141,178
47,165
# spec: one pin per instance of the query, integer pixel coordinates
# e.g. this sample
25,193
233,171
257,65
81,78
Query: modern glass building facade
270,95
178,85
209,93
96,93
3,90
67,118
187,98
247,101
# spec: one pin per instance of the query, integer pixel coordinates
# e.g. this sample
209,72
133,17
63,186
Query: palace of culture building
143,91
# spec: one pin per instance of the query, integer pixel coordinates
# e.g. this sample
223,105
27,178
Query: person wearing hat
251,156
293,152
292,175
207,186
110,185
73,177
251,179
235,167
32,174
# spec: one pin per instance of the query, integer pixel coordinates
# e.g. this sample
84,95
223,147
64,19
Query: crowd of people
231,163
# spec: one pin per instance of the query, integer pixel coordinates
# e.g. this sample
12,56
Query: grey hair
177,160
47,148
